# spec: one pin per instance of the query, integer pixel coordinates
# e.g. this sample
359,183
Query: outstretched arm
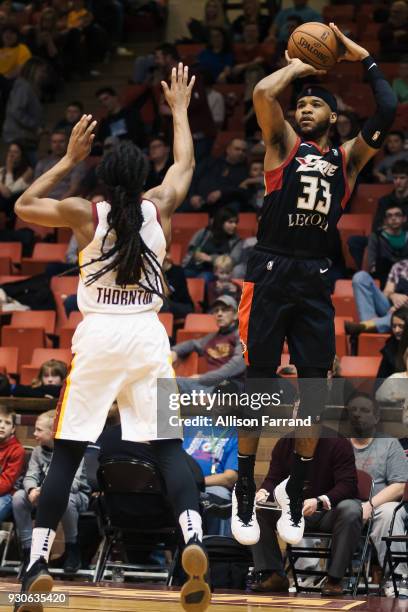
366,144
278,134
34,206
174,188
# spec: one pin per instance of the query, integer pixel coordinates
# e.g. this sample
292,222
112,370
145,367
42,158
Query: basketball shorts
284,297
119,358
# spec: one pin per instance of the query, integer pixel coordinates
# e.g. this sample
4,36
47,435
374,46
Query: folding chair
365,491
394,558
133,503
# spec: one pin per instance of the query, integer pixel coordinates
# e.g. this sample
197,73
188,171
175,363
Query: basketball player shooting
120,348
286,291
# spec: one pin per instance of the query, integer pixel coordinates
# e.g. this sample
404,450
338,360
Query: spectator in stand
219,238
395,345
248,244
393,35
25,500
11,460
120,121
223,283
13,55
24,113
15,177
48,383
330,505
394,389
215,99
216,451
251,13
69,185
398,197
214,17
216,180
400,84
346,128
301,9
384,459
93,36
253,188
160,161
374,306
250,55
388,245
110,14
404,441
217,57
221,349
73,113
178,301
393,152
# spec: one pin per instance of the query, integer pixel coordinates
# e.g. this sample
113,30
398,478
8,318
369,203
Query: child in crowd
47,383
223,283
11,460
25,500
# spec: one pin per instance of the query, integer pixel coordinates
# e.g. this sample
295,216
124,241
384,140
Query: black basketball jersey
304,200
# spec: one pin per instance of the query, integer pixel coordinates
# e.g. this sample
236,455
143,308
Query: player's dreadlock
124,172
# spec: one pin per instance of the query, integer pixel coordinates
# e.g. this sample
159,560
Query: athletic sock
246,466
41,544
294,486
191,524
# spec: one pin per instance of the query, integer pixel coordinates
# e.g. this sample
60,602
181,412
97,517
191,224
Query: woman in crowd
395,345
13,55
347,127
217,58
15,176
219,238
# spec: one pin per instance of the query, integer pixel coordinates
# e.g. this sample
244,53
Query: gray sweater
24,114
38,467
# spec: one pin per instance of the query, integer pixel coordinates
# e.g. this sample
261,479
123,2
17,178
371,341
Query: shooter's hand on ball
352,51
301,68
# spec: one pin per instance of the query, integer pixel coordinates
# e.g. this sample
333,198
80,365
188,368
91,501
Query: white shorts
119,358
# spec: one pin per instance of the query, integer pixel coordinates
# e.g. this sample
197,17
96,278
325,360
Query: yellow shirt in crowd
75,18
12,58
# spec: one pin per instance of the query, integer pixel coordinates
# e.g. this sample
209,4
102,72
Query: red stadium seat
175,253
196,326
196,289
364,367
26,339
43,254
64,234
40,355
366,197
12,250
184,226
247,225
5,265
40,231
371,344
345,306
167,320
9,359
35,318
62,287
343,288
67,331
8,278
188,366
353,225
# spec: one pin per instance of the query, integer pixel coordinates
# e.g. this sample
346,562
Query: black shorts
284,297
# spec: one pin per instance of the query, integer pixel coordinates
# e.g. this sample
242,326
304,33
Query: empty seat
196,326
176,253
371,344
5,265
345,306
167,320
9,359
40,231
43,254
247,225
184,226
196,289
35,318
366,197
26,339
62,287
67,331
12,250
364,367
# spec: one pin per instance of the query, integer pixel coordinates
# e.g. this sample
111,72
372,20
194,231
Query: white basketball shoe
291,524
244,525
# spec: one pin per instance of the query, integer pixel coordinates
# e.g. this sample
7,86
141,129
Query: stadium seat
176,253
345,306
9,278
196,289
62,287
43,254
40,355
64,234
188,366
26,339
371,344
67,331
5,265
9,359
356,367
40,232
167,320
12,250
196,326
247,225
184,226
188,53
366,197
353,225
339,14
35,318
343,288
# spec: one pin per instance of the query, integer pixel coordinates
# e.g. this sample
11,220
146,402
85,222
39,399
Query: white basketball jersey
104,295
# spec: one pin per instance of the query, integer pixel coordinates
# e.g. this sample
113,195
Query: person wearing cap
286,292
221,349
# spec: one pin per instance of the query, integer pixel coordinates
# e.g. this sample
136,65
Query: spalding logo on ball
316,44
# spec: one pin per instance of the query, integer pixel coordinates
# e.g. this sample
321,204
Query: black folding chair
365,490
133,506
393,558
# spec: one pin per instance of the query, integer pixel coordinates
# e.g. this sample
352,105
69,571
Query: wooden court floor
84,597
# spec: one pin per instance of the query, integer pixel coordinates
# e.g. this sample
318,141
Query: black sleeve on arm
376,127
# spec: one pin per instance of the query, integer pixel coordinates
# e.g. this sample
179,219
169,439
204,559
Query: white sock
41,544
190,523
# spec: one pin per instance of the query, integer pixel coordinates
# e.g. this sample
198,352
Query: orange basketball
316,44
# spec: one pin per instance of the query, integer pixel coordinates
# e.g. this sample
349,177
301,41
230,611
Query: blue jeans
372,305
5,507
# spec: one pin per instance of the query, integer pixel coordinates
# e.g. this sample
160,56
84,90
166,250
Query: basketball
315,44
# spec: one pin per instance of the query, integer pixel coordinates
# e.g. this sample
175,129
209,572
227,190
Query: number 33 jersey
304,200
